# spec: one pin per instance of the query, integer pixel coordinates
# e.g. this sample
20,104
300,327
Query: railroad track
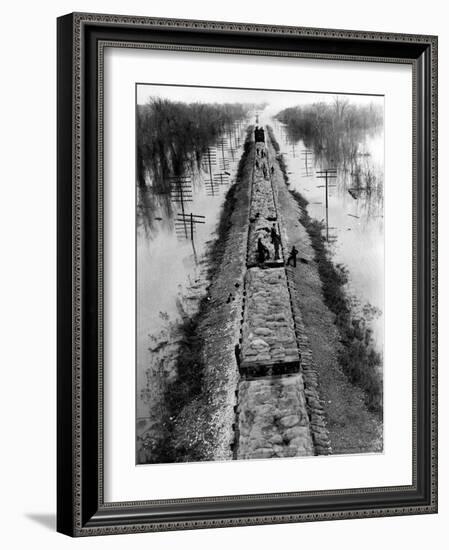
273,418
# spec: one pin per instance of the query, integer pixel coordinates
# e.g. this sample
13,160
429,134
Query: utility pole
210,167
224,154
306,154
211,157
190,219
293,149
181,192
223,158
230,141
327,174
236,136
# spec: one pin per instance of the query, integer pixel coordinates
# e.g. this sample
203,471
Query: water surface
355,215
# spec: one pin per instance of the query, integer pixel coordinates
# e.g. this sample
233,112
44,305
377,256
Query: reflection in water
173,139
355,203
171,266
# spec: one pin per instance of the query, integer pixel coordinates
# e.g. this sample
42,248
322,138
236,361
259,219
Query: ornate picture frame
81,507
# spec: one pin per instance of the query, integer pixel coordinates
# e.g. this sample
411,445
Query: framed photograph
247,279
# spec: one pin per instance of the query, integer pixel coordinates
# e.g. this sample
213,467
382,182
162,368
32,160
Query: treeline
173,136
332,130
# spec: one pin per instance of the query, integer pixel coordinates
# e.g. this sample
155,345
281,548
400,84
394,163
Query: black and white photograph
259,235
220,273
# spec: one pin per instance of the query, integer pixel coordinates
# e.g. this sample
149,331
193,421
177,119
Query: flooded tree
334,130
172,139
336,134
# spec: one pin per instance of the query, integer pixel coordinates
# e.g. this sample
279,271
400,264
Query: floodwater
171,265
355,217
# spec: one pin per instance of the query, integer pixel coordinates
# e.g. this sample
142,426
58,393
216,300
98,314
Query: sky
277,100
